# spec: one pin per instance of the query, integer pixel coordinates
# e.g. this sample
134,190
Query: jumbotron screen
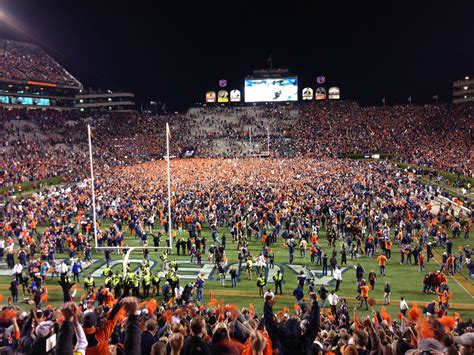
271,90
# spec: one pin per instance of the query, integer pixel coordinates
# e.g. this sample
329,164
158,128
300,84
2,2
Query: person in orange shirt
382,261
421,261
388,248
364,296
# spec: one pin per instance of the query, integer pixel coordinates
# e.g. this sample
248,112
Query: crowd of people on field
365,209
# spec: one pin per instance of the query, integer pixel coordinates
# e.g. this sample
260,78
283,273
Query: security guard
174,280
107,272
136,285
146,282
261,282
108,282
248,268
155,281
278,278
144,265
174,265
117,285
128,283
89,283
164,260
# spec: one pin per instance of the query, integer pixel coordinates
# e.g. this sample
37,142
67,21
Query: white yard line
456,280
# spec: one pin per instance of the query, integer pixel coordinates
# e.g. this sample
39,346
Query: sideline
460,279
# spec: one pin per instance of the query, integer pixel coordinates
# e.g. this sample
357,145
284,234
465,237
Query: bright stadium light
466,77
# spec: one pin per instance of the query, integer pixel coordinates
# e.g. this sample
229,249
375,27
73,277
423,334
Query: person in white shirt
403,306
269,293
63,269
2,248
338,277
178,292
18,269
333,301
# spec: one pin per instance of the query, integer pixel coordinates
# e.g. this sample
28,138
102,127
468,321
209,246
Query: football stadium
274,215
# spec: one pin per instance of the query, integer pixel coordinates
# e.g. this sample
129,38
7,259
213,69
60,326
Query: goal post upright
94,216
94,213
170,235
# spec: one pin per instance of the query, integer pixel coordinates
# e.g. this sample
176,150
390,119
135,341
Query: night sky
173,51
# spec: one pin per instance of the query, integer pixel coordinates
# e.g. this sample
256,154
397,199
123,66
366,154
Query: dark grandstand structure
463,90
30,78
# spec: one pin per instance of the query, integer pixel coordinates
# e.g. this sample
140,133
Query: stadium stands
27,62
40,144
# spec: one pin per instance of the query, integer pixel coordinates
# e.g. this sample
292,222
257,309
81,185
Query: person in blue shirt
199,287
14,290
298,294
76,269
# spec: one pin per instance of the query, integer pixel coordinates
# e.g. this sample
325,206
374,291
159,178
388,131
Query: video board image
271,90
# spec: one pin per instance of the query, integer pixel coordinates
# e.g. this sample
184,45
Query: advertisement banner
223,96
235,96
307,94
320,93
334,93
210,96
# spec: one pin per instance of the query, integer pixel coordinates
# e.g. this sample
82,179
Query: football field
405,280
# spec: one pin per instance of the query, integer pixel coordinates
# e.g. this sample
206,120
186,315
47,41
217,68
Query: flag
435,97
409,99
383,100
91,131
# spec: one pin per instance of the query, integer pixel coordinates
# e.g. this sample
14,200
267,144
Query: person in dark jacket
298,293
271,324
298,341
194,344
65,337
132,343
149,336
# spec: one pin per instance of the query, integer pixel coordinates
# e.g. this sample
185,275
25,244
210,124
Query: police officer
89,283
248,268
107,271
146,282
117,284
278,278
174,265
108,282
164,260
155,281
261,282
